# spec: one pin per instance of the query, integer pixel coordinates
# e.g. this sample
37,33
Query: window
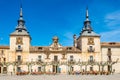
18,69
91,58
39,69
69,48
4,70
19,58
39,48
109,54
91,49
19,47
91,68
55,58
4,59
39,58
71,58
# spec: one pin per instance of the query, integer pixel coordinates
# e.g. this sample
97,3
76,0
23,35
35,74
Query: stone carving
19,40
90,41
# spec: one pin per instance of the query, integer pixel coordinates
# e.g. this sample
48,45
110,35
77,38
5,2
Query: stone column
1,69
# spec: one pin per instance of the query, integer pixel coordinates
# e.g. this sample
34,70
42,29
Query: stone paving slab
61,77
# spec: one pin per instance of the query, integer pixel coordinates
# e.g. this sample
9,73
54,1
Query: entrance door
18,69
4,70
91,68
55,58
55,68
109,68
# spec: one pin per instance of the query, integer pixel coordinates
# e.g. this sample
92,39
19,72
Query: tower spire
87,29
21,14
87,23
87,15
21,29
21,20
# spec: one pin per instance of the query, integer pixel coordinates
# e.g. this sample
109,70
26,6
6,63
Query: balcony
18,49
70,62
91,61
91,49
19,62
39,61
55,62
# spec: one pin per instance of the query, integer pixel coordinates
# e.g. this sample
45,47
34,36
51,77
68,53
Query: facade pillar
1,69
28,68
99,67
85,68
80,68
111,69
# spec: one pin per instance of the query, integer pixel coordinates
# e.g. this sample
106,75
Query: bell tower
88,41
20,41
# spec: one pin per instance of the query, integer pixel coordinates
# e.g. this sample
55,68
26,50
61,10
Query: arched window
19,47
91,58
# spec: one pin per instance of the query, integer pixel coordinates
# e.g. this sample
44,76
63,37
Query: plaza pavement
61,77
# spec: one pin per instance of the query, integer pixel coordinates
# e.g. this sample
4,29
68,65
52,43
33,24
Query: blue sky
62,18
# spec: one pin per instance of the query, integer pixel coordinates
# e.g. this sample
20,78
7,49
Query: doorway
55,69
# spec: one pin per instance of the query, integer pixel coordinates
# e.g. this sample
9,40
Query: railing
19,49
91,49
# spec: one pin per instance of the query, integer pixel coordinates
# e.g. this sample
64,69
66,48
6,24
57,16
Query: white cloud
111,36
113,19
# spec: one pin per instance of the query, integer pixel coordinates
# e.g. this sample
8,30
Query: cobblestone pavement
61,77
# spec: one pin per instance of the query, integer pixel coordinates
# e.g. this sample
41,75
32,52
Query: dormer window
69,48
19,30
40,48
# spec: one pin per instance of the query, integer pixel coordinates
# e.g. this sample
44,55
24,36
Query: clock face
91,41
19,40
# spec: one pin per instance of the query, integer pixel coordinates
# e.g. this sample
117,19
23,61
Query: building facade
88,53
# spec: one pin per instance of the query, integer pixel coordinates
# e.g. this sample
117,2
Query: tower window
19,58
90,49
19,47
19,30
91,58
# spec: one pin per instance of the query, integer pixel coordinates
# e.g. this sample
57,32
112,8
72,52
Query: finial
87,15
21,11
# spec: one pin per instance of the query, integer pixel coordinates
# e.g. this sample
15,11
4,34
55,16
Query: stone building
88,53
